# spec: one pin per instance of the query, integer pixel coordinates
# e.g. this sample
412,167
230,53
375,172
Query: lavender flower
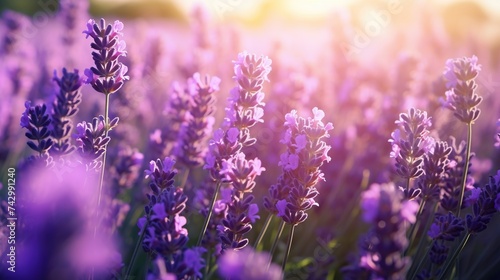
410,142
246,104
434,165
450,190
199,121
163,224
179,105
247,264
388,214
162,178
484,207
36,120
65,106
108,74
91,140
124,169
306,152
241,213
461,96
446,228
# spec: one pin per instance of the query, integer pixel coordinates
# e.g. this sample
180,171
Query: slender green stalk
136,249
103,167
275,243
414,274
466,166
263,231
455,255
417,255
414,226
488,269
288,247
209,214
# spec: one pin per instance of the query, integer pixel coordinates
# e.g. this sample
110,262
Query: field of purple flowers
202,149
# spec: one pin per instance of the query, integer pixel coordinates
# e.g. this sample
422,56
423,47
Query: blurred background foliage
463,18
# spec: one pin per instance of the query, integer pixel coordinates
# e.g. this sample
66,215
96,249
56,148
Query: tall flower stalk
463,101
108,74
306,152
64,107
226,161
410,142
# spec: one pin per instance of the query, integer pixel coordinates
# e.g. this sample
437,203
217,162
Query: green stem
275,243
417,255
288,248
263,231
136,249
414,274
414,226
466,166
209,214
103,167
455,255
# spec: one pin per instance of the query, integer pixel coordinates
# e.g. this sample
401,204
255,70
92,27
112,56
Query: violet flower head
446,228
199,121
461,97
241,212
247,264
452,179
434,166
485,206
162,178
410,142
108,74
124,169
193,262
246,104
91,140
36,120
306,153
65,106
384,208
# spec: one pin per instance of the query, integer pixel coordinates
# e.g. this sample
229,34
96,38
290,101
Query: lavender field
231,139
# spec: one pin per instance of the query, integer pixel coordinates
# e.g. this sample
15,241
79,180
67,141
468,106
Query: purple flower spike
194,132
65,106
246,100
108,74
461,97
306,152
410,142
37,121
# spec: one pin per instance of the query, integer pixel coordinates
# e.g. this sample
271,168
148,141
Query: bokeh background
362,62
